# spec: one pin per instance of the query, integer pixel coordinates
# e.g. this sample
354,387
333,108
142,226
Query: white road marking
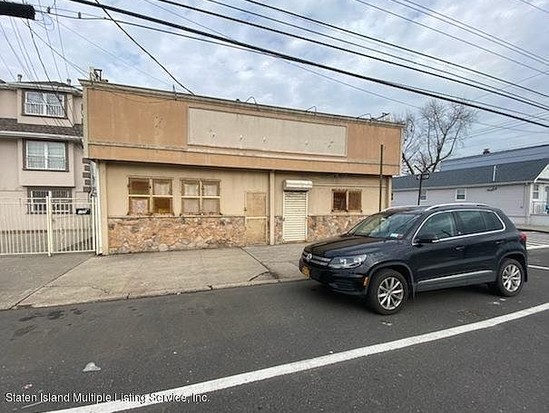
537,267
299,366
537,247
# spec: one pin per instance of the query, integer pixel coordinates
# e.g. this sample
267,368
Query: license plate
306,271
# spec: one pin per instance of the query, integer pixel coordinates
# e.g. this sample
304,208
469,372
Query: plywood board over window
150,196
344,200
200,197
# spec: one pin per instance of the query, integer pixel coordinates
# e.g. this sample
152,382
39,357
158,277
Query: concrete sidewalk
41,281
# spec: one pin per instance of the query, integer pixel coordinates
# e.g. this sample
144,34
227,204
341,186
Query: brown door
256,217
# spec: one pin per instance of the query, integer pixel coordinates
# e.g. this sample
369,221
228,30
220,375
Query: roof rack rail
456,204
401,206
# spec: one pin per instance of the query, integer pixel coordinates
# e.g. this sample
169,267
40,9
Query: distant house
517,181
41,157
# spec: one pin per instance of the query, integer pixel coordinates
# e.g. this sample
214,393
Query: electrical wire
52,55
473,30
61,40
459,39
484,87
23,66
534,6
279,55
23,48
143,49
393,45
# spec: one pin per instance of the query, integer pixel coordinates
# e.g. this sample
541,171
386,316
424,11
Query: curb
152,294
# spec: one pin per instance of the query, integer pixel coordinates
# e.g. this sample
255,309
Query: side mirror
427,239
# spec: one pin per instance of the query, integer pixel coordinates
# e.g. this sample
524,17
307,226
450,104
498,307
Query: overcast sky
513,45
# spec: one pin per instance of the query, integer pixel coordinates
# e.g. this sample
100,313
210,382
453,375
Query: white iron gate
47,225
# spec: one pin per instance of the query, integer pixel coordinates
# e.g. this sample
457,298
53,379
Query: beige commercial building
177,171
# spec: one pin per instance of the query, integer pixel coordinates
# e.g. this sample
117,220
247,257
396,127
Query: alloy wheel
511,278
390,293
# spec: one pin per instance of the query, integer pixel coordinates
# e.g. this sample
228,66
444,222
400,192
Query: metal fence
47,225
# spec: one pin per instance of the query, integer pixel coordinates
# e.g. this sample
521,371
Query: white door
294,226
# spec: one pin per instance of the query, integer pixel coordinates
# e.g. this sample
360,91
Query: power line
109,53
61,40
473,30
484,87
73,65
534,6
143,49
389,44
273,53
7,67
23,66
449,35
23,48
57,95
261,53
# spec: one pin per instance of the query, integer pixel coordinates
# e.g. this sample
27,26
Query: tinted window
491,221
442,225
471,222
385,225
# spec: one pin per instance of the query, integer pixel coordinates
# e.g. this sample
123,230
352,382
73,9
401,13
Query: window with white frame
535,191
44,104
60,198
150,196
46,155
461,194
200,197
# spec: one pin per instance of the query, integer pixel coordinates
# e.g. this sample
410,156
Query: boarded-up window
346,200
339,201
200,197
150,196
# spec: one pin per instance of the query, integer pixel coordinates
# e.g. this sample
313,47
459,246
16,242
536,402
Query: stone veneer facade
326,226
144,234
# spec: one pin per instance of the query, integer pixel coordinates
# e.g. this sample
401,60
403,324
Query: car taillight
523,238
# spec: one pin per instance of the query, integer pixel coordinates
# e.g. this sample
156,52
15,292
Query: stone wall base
174,233
144,234
326,226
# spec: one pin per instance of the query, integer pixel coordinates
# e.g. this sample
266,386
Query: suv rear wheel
510,278
388,292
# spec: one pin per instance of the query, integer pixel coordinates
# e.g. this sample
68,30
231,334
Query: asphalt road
147,345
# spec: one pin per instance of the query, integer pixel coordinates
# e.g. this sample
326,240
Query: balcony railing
44,109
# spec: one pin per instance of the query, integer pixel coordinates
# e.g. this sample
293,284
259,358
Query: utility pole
24,11
422,175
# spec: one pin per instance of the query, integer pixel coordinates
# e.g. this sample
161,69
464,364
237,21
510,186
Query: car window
492,222
471,222
442,225
385,225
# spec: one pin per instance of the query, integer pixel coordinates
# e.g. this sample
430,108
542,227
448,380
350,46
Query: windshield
386,225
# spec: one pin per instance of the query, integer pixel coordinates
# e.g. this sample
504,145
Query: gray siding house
517,181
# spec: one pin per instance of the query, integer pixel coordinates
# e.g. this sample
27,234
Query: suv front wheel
388,292
510,278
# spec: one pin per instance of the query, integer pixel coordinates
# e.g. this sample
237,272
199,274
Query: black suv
393,254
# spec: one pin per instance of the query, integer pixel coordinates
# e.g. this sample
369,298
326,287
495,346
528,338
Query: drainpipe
271,208
101,208
380,177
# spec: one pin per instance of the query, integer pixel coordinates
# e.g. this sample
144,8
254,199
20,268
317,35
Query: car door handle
499,242
460,248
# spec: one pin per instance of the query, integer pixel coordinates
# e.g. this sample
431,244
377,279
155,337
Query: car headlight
347,262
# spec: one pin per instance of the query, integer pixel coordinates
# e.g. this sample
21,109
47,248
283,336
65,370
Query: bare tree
433,134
